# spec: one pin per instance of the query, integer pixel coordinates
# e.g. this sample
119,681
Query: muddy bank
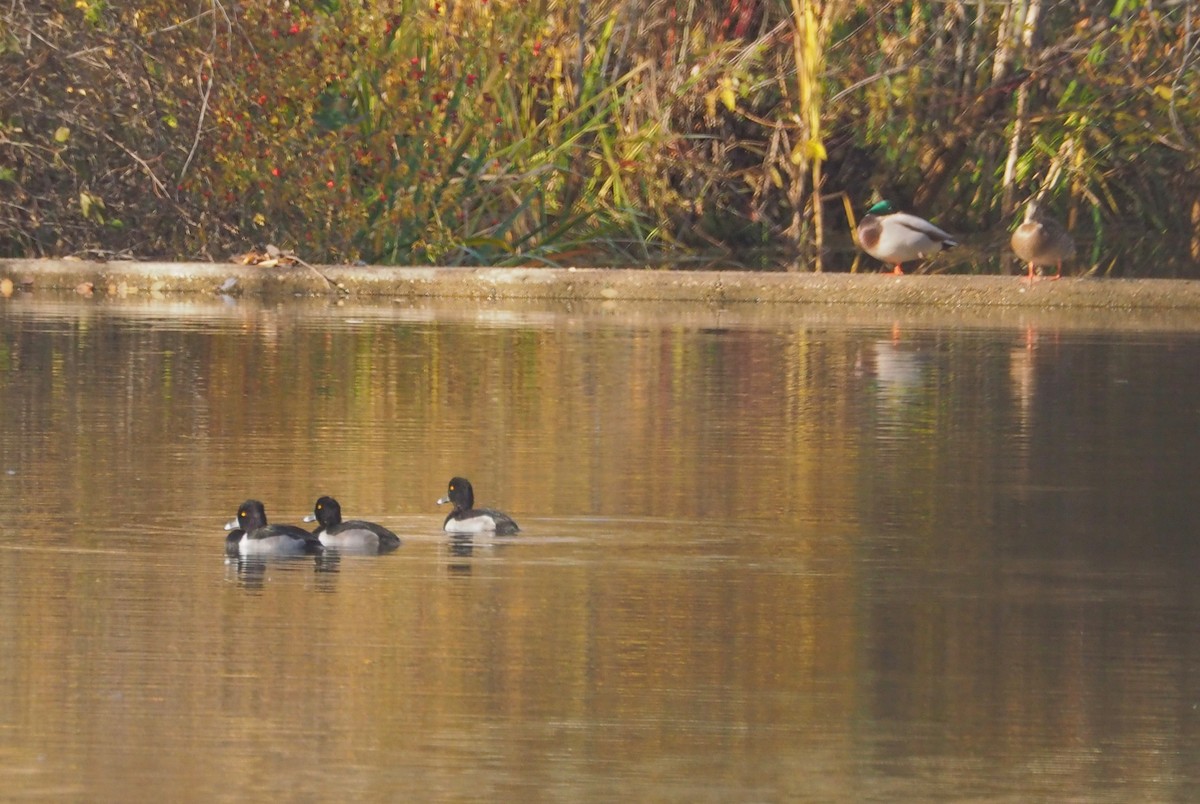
714,287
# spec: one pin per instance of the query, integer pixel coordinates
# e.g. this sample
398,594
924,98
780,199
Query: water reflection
901,369
460,548
1021,374
767,553
253,572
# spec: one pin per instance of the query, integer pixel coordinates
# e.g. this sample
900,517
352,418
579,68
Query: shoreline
122,278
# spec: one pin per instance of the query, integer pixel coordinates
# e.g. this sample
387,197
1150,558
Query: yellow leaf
260,219
1163,92
728,97
62,134
810,150
91,206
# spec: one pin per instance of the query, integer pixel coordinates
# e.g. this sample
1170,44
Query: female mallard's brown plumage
1041,241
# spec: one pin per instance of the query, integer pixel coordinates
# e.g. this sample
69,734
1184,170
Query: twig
870,79
200,119
158,185
184,22
315,270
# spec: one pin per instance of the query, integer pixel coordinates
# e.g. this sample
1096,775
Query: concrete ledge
713,287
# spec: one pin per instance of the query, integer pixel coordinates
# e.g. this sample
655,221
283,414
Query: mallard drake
897,237
1041,241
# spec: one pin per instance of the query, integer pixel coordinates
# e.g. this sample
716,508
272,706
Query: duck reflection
461,547
251,572
901,371
467,549
1021,375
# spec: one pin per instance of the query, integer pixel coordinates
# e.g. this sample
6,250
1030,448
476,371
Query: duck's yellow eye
319,506
241,513
452,487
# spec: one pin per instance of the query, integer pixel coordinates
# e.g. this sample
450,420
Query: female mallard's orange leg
897,271
1033,278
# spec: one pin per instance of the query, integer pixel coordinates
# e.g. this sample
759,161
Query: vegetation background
733,133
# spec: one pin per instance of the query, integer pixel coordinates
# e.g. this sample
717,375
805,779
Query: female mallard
1041,241
897,237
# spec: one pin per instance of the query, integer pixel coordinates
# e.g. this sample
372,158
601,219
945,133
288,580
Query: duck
1040,241
251,535
898,237
466,518
353,534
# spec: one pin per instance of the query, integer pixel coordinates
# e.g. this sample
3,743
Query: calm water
768,553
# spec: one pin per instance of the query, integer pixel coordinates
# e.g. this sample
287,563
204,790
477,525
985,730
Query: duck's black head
251,515
460,493
328,512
